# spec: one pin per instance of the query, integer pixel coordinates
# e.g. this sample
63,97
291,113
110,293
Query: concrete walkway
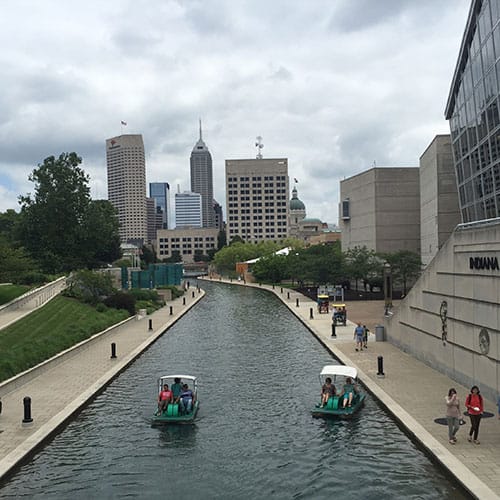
62,385
413,392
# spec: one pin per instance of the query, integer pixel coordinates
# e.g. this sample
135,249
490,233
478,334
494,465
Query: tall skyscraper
257,199
127,184
160,191
473,110
202,180
188,210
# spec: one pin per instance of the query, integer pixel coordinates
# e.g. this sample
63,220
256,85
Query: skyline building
160,191
188,210
473,112
257,199
126,174
202,180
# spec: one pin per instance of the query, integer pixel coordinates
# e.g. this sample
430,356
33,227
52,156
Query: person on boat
164,398
348,393
327,391
176,389
186,399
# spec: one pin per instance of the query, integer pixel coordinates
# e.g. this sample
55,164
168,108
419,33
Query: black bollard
273,287
297,302
192,295
281,290
0,406
334,327
188,284
380,361
311,315
183,301
171,310
113,350
288,295
199,290
27,410
150,324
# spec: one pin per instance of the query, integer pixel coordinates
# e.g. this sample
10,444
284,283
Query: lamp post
387,287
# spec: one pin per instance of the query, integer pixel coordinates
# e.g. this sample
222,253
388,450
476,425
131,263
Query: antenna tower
259,146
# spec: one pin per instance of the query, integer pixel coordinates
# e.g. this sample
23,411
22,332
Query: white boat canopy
187,377
342,370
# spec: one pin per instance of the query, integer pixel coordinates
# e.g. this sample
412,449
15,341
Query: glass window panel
480,214
494,5
488,54
479,96
467,168
474,47
490,85
460,173
476,69
493,116
467,78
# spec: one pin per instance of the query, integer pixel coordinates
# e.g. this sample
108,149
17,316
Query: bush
121,300
101,307
176,292
143,294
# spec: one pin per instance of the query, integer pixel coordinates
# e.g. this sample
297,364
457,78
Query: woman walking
474,405
452,414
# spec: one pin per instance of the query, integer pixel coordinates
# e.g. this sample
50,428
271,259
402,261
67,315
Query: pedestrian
365,336
452,414
474,405
358,335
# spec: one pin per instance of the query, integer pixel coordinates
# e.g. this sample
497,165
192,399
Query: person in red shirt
475,408
164,398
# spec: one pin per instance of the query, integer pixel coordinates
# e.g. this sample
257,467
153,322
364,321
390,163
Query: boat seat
332,403
172,410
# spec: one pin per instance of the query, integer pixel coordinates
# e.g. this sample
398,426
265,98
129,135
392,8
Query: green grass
10,292
60,324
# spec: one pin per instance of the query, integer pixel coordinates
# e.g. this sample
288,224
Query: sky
335,86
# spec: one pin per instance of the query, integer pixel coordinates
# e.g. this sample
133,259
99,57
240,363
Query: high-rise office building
160,191
127,184
188,210
257,199
473,110
202,180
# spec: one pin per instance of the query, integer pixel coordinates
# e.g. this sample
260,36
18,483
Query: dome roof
295,203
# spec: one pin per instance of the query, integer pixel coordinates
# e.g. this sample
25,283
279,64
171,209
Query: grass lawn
10,292
59,324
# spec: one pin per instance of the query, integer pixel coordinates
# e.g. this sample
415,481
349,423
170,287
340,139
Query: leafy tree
60,226
271,268
360,263
15,264
9,226
405,266
101,233
319,264
90,286
148,257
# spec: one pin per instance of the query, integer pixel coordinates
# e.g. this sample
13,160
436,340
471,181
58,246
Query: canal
254,438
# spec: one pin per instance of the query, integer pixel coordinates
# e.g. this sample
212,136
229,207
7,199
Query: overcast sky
332,85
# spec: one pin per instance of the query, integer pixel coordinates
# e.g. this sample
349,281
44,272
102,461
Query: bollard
0,406
281,290
113,350
192,295
27,410
380,361
273,286
288,295
311,315
188,284
334,327
183,301
199,290
150,324
297,302
171,310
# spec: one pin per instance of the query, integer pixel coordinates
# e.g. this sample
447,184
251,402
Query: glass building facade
473,112
160,191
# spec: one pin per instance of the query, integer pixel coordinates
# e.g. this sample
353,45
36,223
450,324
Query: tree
271,268
360,263
15,265
60,225
89,286
405,266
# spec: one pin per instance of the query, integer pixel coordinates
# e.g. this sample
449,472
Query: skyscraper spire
200,129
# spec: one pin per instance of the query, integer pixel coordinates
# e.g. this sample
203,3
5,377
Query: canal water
255,438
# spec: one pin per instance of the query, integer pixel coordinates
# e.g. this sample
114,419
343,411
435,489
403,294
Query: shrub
101,307
121,300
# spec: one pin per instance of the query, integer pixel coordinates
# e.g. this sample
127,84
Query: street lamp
387,287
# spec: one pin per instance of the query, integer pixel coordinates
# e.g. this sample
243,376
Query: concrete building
439,210
473,112
219,219
450,319
154,219
126,168
188,242
202,180
188,210
160,191
380,209
257,199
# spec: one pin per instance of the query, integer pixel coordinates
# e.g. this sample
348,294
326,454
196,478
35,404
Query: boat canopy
342,370
187,377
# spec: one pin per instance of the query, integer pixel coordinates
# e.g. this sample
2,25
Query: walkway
411,390
59,387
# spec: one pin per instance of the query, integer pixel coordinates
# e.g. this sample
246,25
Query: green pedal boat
340,394
181,406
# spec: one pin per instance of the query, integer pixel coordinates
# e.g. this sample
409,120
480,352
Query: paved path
60,387
411,390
